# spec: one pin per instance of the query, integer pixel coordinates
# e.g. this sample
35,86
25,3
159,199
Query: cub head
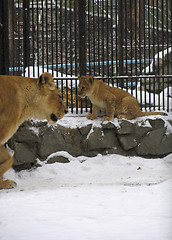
85,85
49,99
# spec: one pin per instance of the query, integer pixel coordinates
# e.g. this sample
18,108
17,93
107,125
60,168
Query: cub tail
153,113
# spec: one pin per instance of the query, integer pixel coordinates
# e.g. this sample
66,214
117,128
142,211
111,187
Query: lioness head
85,85
51,105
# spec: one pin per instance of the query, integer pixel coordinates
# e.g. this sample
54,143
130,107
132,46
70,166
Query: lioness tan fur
22,99
114,101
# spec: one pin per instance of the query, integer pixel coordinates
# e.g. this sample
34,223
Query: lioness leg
6,161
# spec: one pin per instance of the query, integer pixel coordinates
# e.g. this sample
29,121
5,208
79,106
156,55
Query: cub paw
7,184
91,116
107,118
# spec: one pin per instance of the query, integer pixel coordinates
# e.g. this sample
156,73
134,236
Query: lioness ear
91,80
79,76
46,79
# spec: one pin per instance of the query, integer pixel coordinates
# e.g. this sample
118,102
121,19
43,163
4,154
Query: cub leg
110,110
6,161
129,109
94,113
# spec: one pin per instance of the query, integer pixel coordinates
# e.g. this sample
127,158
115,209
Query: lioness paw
91,116
7,184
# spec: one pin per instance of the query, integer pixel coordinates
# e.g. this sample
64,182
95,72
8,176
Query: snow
103,197
110,197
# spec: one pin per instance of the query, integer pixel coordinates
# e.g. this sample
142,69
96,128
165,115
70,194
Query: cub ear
46,79
91,80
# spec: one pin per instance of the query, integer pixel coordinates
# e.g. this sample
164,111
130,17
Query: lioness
115,101
22,99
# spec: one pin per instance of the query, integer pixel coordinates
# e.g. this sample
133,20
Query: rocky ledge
37,141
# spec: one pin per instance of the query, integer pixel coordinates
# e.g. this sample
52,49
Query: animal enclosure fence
127,43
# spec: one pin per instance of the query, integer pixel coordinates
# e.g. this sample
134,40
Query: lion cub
114,101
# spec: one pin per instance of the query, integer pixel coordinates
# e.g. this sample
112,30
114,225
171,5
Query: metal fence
127,43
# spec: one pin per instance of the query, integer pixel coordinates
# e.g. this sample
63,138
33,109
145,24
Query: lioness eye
83,87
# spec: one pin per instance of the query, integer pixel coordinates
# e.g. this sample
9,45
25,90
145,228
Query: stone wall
150,137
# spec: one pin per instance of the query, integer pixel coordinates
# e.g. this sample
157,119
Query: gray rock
85,130
59,159
126,128
59,139
157,123
151,143
24,154
100,139
127,141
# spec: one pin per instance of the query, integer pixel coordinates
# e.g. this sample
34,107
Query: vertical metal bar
158,52
56,36
13,42
42,36
136,42
112,47
76,68
153,50
162,36
89,34
26,32
94,50
37,54
116,39
61,43
120,41
140,50
66,37
66,48
18,36
46,29
82,46
103,40
4,38
144,37
126,43
71,54
149,51
98,7
52,36
107,39
131,39
33,39
167,30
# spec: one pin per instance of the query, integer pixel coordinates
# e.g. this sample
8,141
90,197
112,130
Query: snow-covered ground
108,197
105,197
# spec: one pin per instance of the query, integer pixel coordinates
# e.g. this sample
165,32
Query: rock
59,138
157,123
127,141
151,143
24,155
59,159
85,130
100,139
126,127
